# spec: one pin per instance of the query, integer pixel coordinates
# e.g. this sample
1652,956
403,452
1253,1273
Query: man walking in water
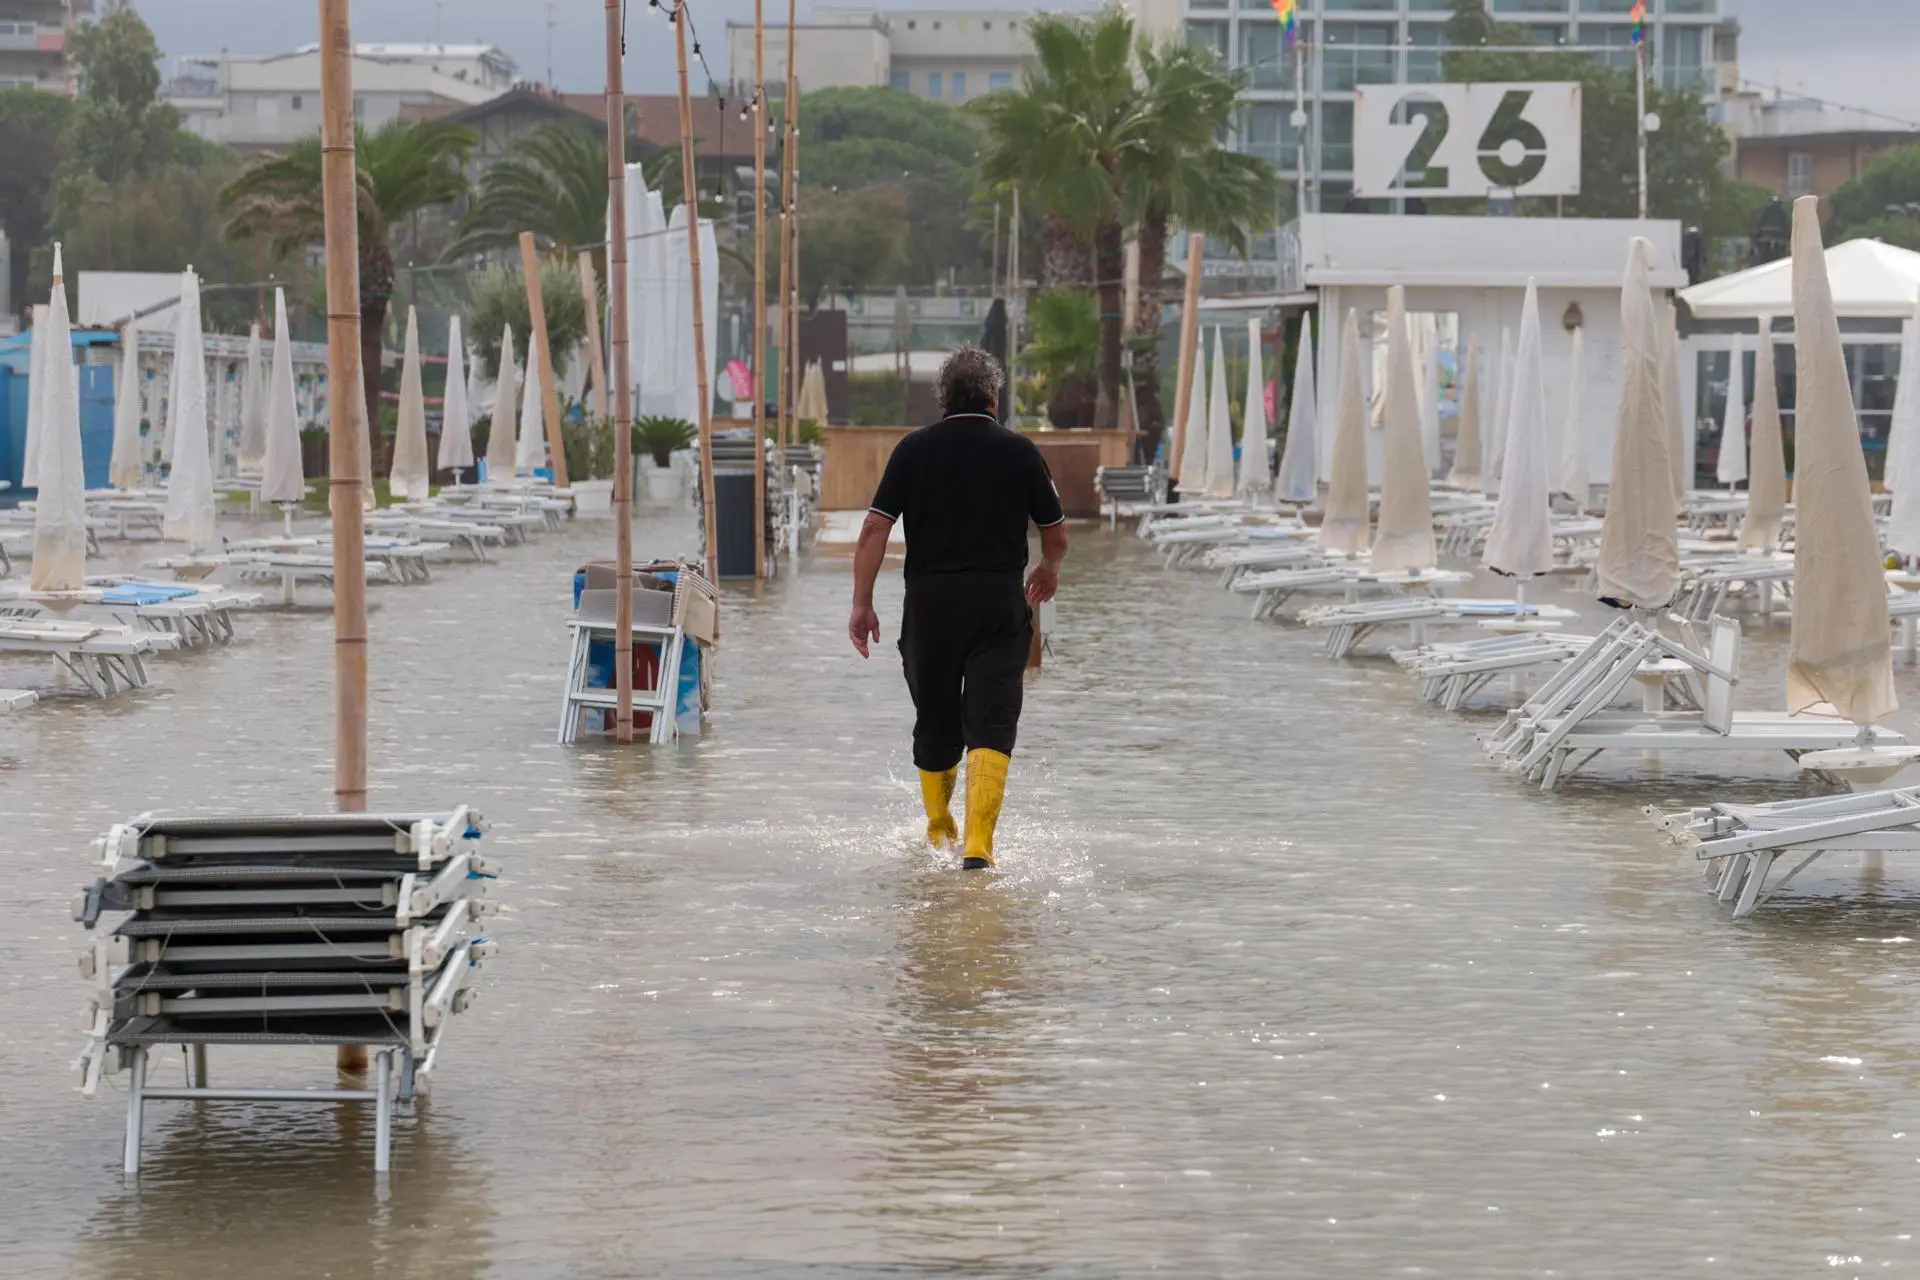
967,488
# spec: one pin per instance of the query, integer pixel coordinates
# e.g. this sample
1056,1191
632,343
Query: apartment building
33,43
942,55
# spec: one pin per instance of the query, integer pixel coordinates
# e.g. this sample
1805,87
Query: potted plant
658,438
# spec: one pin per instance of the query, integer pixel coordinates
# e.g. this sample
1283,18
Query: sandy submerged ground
1278,976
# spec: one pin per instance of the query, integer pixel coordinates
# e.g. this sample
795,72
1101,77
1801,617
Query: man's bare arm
1044,579
863,625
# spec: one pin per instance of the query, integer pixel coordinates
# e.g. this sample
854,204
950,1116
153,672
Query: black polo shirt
966,487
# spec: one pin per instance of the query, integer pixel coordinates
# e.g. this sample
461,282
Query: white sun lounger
1739,844
1588,728
104,658
1449,674
16,699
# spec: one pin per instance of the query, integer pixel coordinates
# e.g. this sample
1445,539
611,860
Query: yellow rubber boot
936,793
986,788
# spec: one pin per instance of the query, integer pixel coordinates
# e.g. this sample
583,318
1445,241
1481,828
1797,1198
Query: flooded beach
1278,974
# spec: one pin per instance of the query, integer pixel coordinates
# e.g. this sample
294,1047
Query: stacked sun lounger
336,929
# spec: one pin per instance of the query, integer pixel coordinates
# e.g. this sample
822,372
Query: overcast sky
1856,52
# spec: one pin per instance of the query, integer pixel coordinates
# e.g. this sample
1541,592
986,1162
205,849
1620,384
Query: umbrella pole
622,404
346,459
759,291
711,550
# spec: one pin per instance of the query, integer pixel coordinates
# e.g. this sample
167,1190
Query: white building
939,54
271,100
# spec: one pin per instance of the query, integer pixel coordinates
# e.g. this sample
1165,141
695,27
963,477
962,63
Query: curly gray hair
970,381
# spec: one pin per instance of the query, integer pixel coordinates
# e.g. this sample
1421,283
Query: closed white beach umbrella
456,418
1675,411
1573,478
1493,456
1404,540
1429,349
1766,454
1731,469
1906,403
1193,448
1520,544
671,392
1255,480
1465,473
1344,519
190,515
1300,460
502,435
710,313
126,469
60,509
38,371
283,477
252,449
1219,427
653,363
532,448
811,404
409,479
1639,563
1841,651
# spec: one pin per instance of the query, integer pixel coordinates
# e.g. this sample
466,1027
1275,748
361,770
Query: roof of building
655,116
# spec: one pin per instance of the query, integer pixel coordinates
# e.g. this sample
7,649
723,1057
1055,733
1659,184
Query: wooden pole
538,349
346,416
1189,334
791,172
622,403
759,290
710,541
784,342
590,290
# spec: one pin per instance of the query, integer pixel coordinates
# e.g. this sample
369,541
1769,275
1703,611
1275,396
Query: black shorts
964,639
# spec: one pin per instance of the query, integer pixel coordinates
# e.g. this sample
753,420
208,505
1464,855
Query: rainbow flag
1284,10
1639,16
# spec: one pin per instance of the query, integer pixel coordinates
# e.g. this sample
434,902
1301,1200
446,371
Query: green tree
1185,177
33,130
1068,138
553,182
404,167
852,242
120,127
1883,203
499,299
1063,351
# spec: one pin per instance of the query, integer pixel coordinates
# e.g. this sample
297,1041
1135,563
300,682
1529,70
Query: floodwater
1279,977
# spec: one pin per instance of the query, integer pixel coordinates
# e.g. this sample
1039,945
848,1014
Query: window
959,86
297,102
901,80
1689,6
1430,6
1357,53
1799,174
999,80
1545,34
1615,38
1336,140
1606,6
1265,57
934,85
1269,134
1532,6
1683,52
987,25
1208,35
1368,6
912,25
1423,58
936,24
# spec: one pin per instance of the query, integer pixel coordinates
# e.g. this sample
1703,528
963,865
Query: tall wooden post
782,400
711,542
622,403
759,290
346,420
590,290
795,370
1189,335
537,349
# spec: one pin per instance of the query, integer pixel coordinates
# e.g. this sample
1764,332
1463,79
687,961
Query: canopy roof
1871,280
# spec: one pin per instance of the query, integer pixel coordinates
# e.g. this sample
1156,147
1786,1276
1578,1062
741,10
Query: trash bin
733,520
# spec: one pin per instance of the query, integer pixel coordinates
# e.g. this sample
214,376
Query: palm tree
404,167
1069,138
1185,177
1063,349
553,182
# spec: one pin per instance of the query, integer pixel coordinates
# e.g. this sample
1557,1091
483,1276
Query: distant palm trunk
1149,307
1109,268
376,290
1067,259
